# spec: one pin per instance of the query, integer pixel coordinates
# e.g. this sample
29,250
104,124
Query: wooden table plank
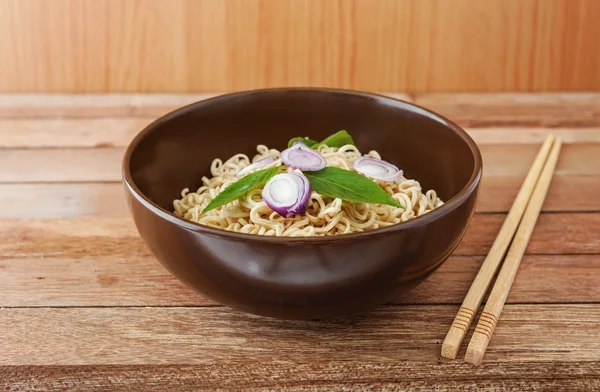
104,164
61,165
69,132
119,131
142,281
95,237
347,374
515,160
14,106
64,200
19,106
566,194
579,233
97,336
118,238
101,261
524,109
521,135
70,200
516,109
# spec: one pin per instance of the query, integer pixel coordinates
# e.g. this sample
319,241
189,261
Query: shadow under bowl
300,278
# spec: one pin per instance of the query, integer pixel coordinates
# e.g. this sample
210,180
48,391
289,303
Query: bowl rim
419,221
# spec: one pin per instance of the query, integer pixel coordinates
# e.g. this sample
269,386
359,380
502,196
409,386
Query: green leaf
348,185
240,187
308,142
338,139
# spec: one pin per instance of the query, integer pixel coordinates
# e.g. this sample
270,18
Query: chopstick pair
521,219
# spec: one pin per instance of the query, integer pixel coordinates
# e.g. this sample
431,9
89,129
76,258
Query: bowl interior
177,150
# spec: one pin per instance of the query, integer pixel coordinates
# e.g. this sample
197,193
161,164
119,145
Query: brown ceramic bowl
300,278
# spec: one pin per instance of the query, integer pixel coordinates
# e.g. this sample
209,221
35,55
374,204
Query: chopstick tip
449,351
477,348
452,342
474,357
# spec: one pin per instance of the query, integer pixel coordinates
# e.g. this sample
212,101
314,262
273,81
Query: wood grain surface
118,132
105,280
206,45
70,200
512,109
121,336
509,109
85,306
346,374
44,165
579,233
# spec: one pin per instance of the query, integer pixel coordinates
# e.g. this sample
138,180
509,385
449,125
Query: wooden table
84,305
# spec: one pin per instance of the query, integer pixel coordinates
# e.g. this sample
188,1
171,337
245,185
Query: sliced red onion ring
302,157
377,168
287,194
255,165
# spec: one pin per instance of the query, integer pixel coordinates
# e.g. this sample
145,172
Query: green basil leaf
348,185
338,139
308,142
240,187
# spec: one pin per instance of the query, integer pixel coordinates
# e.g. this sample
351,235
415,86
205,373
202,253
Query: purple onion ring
287,194
302,157
377,169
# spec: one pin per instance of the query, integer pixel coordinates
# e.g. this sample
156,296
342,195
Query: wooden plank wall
223,45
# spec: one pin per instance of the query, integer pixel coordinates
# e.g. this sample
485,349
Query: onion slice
377,169
287,194
302,157
255,165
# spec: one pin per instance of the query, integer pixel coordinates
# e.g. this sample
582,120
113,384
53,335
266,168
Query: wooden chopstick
472,302
491,313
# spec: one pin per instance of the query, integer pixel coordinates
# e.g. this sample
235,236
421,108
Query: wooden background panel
384,45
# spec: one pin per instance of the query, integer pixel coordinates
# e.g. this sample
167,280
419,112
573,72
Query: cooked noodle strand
324,215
